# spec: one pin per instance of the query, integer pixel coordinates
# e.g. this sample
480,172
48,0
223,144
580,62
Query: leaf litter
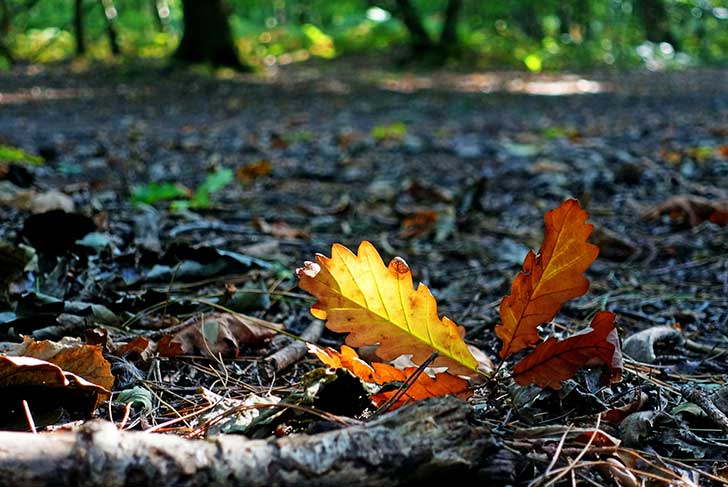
142,279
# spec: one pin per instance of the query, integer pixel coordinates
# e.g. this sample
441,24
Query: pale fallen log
431,439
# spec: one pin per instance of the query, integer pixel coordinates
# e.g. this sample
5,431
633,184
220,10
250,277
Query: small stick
125,418
698,396
405,386
29,417
292,352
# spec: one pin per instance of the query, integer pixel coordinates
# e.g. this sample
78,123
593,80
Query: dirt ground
453,171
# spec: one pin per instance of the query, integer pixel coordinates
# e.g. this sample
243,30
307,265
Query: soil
453,171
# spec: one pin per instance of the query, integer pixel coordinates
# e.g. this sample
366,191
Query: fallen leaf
16,154
693,209
554,361
47,388
421,222
253,170
601,439
139,346
641,345
279,229
616,415
381,373
375,304
549,278
218,334
71,355
336,208
55,232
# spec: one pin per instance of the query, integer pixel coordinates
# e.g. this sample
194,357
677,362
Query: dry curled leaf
216,334
252,170
71,355
377,304
549,278
691,208
380,373
48,390
554,361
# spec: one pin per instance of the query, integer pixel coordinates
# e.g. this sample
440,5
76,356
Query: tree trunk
430,440
449,36
4,31
78,27
421,41
110,15
160,11
656,22
207,36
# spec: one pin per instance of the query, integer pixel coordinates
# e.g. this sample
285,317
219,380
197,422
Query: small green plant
392,131
154,192
15,154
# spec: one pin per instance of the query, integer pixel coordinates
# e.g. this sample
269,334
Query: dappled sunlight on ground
564,84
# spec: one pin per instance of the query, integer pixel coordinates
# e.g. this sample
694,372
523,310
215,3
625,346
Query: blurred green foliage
543,35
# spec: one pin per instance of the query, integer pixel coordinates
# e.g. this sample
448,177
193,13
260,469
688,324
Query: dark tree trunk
110,16
207,36
449,36
575,14
656,22
421,41
161,20
4,31
78,27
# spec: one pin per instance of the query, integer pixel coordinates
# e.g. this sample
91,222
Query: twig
698,396
556,456
29,417
580,455
405,386
292,352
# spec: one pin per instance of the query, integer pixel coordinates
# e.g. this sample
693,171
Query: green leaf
212,184
396,131
153,192
15,154
136,395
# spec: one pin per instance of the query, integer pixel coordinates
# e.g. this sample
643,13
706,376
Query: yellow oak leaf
378,305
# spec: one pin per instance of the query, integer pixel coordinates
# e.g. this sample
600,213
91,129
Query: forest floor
452,171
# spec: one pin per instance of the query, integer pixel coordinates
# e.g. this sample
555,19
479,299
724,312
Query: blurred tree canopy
548,34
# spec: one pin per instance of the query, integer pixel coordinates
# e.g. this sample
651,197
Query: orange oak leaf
47,388
554,361
549,278
381,373
71,355
375,304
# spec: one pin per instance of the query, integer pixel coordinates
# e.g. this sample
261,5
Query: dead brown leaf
279,229
692,209
71,355
217,334
47,389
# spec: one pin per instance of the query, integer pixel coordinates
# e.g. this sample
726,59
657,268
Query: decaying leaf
381,373
691,208
71,355
218,333
557,360
279,229
252,170
641,345
549,278
375,304
47,388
